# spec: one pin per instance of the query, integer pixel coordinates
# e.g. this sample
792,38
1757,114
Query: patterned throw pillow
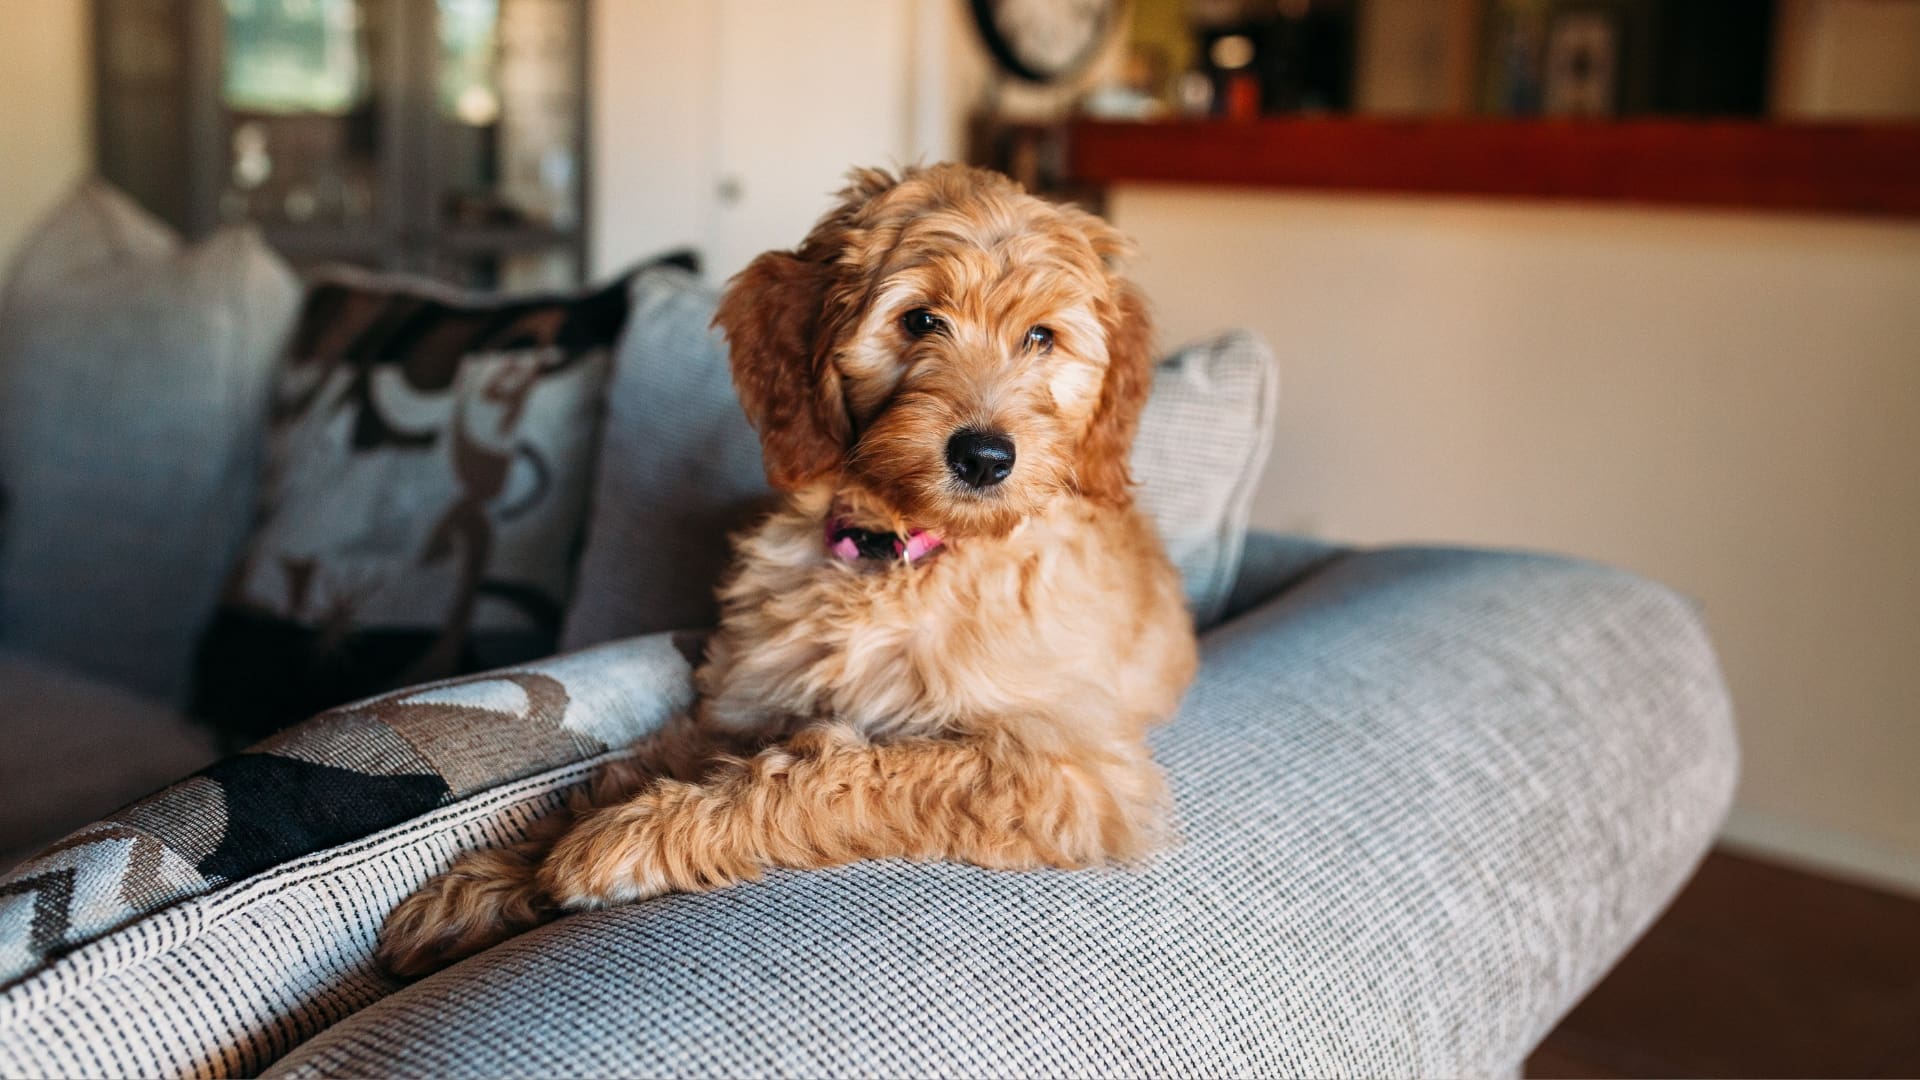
428,464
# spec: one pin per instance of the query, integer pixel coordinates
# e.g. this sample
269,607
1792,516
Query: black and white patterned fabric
428,465
1427,798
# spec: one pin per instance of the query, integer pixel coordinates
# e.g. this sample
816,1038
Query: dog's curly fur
987,704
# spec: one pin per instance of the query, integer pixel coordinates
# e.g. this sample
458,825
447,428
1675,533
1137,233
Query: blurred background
1637,280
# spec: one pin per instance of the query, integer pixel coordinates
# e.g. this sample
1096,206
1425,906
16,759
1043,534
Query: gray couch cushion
77,748
1428,797
133,391
680,468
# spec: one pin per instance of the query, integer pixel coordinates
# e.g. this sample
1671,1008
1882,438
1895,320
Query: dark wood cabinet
443,137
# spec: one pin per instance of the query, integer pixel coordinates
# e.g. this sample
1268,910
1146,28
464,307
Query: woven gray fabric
95,228
1428,797
1270,564
133,392
680,468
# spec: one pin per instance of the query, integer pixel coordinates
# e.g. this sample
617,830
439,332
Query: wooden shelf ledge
1818,168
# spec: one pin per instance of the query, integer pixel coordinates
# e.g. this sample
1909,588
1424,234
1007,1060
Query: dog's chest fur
1025,628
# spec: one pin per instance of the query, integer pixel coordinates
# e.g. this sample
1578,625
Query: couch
1426,797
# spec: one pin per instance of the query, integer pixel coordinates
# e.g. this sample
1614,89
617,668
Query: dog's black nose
980,459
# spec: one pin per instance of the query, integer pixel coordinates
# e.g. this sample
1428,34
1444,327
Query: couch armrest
1428,798
208,928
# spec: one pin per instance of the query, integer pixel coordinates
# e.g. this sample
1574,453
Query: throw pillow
98,227
134,377
1202,446
429,460
681,467
679,471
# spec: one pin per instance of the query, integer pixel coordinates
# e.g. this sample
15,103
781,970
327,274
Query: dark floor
1756,971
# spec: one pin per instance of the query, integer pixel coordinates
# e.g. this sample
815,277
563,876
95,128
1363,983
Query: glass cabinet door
507,116
443,137
304,108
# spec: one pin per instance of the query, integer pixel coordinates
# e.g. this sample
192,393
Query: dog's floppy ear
1102,465
778,340
1104,449
787,386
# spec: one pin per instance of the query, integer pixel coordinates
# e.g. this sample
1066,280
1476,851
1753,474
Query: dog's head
945,349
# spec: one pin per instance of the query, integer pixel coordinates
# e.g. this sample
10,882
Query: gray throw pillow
96,228
1202,446
680,467
679,470
133,391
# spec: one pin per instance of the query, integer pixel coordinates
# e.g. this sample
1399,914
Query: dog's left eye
1040,339
920,322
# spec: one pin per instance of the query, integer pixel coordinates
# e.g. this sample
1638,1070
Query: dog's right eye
920,322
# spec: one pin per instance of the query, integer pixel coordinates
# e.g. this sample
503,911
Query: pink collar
850,544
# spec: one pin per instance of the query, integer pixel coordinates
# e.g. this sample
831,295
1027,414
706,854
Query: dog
952,637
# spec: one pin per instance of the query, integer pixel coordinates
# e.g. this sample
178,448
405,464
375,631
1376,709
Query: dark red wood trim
1861,169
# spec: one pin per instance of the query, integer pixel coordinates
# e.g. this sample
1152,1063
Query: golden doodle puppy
951,639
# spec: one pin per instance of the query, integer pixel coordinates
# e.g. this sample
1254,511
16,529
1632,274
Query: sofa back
133,384
134,376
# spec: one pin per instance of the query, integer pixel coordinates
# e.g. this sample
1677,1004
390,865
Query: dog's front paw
611,857
486,898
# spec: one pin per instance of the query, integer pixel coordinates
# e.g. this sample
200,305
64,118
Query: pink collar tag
850,544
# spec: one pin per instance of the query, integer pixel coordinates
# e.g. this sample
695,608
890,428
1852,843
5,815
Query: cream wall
649,65
725,125
1847,60
46,112
1728,403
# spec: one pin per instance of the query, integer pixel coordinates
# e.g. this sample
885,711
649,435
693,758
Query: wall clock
1044,41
